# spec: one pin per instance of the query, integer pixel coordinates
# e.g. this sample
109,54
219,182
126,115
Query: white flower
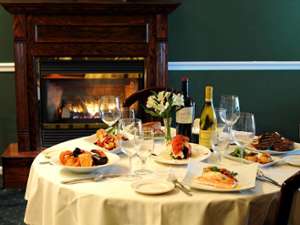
178,100
161,96
150,102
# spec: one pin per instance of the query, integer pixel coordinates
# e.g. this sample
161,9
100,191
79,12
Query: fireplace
69,90
66,53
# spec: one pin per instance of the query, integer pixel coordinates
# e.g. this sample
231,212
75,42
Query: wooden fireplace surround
75,28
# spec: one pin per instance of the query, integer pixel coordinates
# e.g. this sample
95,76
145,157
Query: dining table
114,200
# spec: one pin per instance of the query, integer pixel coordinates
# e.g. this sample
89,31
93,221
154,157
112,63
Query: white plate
112,159
199,153
92,140
275,160
293,160
246,177
273,152
153,186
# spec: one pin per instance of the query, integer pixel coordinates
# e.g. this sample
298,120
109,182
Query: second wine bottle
208,120
185,114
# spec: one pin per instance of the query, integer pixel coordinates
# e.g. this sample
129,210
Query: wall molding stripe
237,65
7,67
205,66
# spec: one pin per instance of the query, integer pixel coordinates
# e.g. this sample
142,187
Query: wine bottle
185,114
208,120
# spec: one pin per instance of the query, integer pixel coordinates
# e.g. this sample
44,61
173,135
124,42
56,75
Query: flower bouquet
161,105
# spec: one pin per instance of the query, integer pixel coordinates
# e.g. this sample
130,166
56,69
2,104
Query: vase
167,124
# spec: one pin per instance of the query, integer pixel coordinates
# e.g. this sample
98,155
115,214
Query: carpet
12,206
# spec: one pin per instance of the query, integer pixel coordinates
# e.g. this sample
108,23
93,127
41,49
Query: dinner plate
112,159
92,140
273,152
199,153
153,186
246,176
274,160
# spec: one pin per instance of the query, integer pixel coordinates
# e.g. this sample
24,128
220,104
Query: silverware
46,162
184,188
262,177
94,178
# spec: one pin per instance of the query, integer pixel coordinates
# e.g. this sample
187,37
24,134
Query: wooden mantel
81,28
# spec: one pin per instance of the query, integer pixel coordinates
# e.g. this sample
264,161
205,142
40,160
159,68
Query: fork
262,177
184,188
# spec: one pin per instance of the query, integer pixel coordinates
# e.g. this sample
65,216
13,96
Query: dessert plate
199,153
246,176
153,186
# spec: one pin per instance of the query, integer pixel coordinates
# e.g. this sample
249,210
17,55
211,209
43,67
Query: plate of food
179,151
105,140
84,161
273,143
264,159
223,178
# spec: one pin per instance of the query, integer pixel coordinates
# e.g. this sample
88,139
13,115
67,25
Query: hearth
69,90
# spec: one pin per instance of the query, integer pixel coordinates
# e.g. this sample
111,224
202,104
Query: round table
113,201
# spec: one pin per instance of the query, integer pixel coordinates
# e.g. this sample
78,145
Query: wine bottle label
205,138
185,115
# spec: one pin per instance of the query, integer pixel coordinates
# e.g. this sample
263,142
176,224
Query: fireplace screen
70,90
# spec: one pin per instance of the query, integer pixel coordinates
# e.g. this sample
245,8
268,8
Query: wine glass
231,104
244,129
128,130
145,144
220,113
127,112
110,109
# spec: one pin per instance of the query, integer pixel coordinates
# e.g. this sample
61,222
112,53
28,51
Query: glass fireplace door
70,89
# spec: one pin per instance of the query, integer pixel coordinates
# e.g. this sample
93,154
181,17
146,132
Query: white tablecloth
113,201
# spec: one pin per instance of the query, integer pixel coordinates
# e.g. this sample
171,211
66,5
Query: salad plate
245,176
153,186
199,153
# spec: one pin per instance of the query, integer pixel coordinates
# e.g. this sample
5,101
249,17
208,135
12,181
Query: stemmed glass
128,129
126,112
244,129
110,109
145,143
231,104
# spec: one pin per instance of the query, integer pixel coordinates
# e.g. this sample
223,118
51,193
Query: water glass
128,129
144,144
126,112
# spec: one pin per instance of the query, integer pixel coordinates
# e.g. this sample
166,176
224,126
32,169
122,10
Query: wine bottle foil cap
208,93
184,78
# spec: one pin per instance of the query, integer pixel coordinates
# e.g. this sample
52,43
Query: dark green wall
273,96
6,40
214,30
7,110
217,31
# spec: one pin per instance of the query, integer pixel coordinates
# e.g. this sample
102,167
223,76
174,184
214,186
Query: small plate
112,159
153,186
92,140
246,176
293,160
199,153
